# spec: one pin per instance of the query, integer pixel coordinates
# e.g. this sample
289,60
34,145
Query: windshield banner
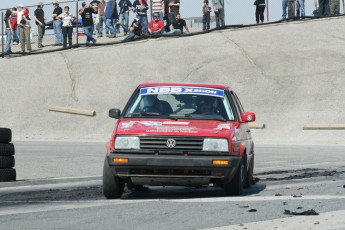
182,90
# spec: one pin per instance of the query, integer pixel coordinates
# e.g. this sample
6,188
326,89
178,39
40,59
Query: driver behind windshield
150,104
206,105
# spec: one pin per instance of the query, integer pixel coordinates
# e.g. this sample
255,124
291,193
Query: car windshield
180,103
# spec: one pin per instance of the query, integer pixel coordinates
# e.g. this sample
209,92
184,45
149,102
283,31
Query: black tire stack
7,162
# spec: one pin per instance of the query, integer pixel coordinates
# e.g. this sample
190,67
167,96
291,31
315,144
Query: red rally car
180,134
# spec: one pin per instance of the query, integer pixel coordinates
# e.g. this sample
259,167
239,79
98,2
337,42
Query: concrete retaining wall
289,74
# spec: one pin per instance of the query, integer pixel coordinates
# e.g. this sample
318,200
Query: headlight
127,143
213,144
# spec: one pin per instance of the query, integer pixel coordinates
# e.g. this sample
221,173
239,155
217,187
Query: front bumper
172,169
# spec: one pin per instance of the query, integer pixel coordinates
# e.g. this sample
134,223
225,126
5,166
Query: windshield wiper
144,114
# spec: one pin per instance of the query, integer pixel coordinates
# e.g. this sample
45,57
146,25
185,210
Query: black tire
5,135
6,149
112,186
249,176
7,175
235,187
6,162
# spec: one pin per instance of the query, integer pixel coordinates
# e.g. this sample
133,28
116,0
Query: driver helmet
149,103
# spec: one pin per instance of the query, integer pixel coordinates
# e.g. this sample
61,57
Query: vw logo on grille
171,143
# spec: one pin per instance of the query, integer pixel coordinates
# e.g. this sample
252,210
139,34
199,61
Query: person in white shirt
67,19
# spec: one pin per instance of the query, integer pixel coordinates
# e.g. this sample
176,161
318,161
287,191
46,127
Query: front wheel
112,186
235,187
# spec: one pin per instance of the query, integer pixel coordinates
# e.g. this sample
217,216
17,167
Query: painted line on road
41,187
324,221
258,198
48,206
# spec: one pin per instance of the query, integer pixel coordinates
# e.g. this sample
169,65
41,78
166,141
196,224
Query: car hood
175,128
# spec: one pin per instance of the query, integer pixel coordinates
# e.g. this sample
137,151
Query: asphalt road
60,188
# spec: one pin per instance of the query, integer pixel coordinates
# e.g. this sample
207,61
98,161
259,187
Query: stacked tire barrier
7,162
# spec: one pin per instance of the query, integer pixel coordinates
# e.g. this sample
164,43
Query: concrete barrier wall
289,74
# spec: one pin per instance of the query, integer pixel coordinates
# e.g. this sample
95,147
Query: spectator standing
135,31
124,7
165,7
111,15
178,26
174,8
67,27
95,15
259,12
8,26
334,7
25,31
300,8
102,20
88,26
39,19
56,23
218,7
291,8
157,7
324,8
206,15
140,9
14,26
285,5
20,13
156,26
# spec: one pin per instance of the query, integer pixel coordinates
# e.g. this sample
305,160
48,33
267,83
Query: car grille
182,143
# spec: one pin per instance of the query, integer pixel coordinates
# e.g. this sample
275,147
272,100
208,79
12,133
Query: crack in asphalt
73,81
299,174
245,54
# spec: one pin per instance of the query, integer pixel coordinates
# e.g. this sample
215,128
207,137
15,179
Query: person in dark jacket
260,9
111,14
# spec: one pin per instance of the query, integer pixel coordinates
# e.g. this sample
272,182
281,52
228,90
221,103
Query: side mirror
248,117
115,113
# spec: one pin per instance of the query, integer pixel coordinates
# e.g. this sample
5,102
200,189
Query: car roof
184,84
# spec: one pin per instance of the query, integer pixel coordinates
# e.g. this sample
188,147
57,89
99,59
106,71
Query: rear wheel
235,187
112,186
249,177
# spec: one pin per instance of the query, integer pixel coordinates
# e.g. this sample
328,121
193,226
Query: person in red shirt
14,26
156,26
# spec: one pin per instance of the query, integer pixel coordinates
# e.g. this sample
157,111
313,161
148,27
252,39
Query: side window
239,103
237,106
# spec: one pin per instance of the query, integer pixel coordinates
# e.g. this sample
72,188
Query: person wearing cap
124,7
156,26
88,26
57,24
19,12
140,8
39,19
157,7
135,31
206,15
25,31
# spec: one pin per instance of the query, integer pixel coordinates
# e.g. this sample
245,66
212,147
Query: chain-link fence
237,12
